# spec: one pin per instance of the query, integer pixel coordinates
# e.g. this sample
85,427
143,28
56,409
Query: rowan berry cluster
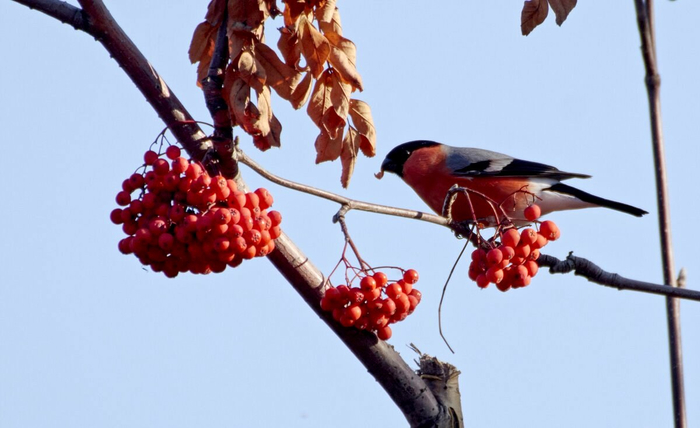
375,304
513,262
184,220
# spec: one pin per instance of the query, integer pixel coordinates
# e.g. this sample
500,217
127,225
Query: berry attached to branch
178,218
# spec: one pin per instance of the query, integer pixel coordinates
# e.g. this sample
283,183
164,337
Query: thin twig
645,21
349,204
442,296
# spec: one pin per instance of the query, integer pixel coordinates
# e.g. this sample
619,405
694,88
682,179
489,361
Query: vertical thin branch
645,21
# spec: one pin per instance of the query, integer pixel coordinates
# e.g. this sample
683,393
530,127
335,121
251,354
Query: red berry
123,198
172,152
410,277
549,230
510,237
381,279
494,256
368,283
528,236
533,212
384,333
149,157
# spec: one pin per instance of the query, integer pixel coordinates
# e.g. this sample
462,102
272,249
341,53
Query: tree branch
589,270
62,11
348,204
404,386
645,22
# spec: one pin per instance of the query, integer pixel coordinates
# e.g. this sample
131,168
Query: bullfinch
431,169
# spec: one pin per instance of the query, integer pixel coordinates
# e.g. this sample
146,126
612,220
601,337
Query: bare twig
442,296
348,204
592,272
645,21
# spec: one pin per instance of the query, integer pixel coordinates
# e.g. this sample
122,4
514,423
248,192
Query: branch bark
645,22
405,387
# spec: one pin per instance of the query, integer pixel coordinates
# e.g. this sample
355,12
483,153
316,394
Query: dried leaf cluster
312,32
535,11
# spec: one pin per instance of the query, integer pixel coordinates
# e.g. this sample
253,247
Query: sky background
89,338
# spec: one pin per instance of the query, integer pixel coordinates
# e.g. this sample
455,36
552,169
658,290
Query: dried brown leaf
345,45
215,11
202,42
314,46
324,13
289,47
237,42
262,125
348,155
239,100
301,92
561,9
342,64
332,27
277,72
320,100
361,116
533,14
251,70
272,139
340,95
292,10
249,13
327,148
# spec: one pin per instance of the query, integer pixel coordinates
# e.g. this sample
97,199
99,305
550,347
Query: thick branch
64,12
589,270
407,390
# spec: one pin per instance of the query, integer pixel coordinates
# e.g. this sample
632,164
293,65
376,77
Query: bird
493,179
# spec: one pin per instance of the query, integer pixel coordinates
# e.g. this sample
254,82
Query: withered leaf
289,47
324,13
342,64
246,15
561,9
276,71
345,45
361,116
314,47
301,92
251,70
348,155
327,148
333,124
202,42
340,95
215,11
533,14
239,99
332,27
292,10
262,125
238,41
320,100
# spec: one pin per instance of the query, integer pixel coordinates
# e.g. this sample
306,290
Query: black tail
587,197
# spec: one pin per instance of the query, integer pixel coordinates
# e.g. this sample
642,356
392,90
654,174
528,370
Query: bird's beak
390,166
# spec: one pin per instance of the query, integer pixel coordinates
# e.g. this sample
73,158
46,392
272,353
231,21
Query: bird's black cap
394,160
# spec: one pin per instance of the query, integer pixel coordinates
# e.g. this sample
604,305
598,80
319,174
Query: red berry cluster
375,304
513,263
184,220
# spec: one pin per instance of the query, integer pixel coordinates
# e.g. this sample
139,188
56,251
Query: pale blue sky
89,338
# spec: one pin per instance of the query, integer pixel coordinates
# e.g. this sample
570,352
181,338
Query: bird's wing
470,162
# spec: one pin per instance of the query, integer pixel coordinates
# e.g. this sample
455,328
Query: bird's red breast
426,171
